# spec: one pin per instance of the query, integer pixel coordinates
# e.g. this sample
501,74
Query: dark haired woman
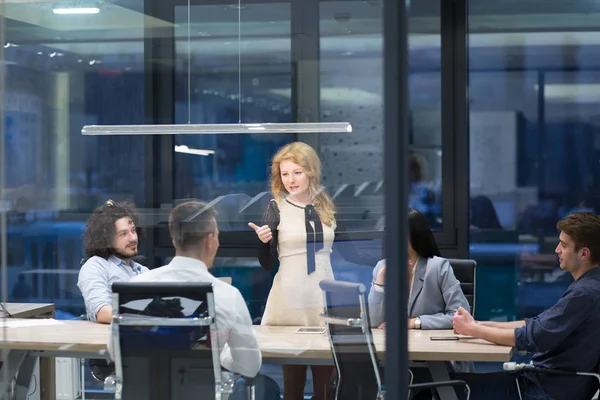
434,291
483,214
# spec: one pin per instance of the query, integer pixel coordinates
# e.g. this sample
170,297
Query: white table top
275,342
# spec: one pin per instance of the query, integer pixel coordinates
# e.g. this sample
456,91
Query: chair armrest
557,372
546,371
352,322
234,377
434,385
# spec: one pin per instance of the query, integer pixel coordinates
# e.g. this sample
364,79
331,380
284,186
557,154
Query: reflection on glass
240,162
351,87
63,72
425,158
533,153
68,69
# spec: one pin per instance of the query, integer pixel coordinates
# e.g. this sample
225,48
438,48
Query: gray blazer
435,297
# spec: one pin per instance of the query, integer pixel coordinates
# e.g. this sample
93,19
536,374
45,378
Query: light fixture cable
189,60
239,61
3,221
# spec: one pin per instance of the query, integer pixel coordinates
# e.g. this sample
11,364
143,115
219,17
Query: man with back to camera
111,241
195,236
564,337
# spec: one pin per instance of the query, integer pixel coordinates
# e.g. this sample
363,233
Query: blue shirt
96,278
565,337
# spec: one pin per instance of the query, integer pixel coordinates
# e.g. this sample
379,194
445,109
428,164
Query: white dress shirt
237,342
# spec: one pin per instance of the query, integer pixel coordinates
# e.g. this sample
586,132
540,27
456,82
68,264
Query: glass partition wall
534,147
59,73
494,171
144,62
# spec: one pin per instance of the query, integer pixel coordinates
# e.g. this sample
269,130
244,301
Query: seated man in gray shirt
111,241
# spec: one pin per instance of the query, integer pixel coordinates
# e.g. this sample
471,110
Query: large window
63,72
351,87
162,62
427,131
533,145
228,81
159,62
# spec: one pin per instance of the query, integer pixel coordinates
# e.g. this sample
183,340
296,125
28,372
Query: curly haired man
111,241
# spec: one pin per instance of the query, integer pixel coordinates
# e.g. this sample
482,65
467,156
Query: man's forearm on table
502,325
502,336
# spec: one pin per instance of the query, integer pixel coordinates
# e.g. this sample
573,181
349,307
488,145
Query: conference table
47,364
30,310
281,345
49,338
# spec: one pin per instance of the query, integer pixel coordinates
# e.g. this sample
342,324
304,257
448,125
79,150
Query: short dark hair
189,223
584,229
420,235
100,229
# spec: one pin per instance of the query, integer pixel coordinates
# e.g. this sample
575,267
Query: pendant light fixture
218,129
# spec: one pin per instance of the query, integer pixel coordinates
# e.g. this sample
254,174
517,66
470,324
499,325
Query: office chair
522,367
164,341
360,375
465,272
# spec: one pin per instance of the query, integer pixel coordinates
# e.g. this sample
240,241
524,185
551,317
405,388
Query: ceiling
503,35
512,32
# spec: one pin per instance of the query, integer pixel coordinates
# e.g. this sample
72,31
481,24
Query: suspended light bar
199,152
211,129
76,10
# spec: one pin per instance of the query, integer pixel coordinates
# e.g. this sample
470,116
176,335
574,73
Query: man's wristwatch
417,323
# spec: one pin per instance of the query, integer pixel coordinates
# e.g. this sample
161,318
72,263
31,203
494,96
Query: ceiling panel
111,16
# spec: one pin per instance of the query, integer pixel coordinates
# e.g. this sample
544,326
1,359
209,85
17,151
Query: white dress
295,297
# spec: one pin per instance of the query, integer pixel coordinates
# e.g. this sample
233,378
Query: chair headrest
130,291
329,285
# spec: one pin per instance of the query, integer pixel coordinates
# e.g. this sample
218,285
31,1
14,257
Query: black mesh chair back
465,272
155,325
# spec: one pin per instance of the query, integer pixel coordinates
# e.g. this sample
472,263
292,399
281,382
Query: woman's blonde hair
305,156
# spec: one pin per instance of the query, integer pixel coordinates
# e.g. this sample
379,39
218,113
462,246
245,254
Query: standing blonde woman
299,229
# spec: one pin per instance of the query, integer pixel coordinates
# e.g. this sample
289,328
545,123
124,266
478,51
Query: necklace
295,205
